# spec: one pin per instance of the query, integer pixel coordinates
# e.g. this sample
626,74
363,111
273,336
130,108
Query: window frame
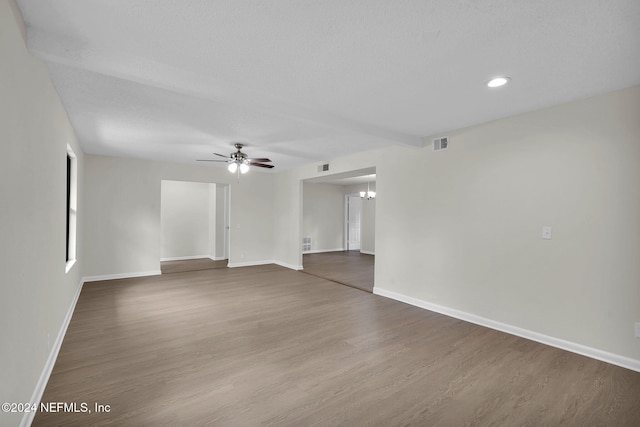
71,209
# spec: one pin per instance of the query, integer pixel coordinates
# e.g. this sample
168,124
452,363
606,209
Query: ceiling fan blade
208,160
261,165
226,157
259,160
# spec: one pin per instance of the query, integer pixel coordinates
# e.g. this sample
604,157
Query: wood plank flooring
266,345
168,267
350,268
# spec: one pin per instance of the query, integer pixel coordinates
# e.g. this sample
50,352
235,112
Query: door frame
227,217
346,219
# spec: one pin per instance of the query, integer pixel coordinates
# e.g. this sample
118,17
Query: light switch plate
637,329
546,232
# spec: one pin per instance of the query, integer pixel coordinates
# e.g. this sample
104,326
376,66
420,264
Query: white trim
69,265
27,418
367,252
216,258
584,350
318,251
72,209
249,263
121,276
291,266
183,258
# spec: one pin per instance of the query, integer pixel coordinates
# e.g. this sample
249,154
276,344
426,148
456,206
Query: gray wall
461,228
186,219
123,227
36,291
323,216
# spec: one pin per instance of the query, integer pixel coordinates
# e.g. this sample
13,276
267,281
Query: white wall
287,218
288,202
219,252
36,292
251,219
211,220
468,238
185,219
323,216
122,233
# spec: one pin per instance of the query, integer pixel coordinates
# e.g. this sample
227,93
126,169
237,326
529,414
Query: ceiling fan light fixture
239,162
498,81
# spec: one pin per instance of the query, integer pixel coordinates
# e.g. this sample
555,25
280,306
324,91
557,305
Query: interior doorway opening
194,225
338,228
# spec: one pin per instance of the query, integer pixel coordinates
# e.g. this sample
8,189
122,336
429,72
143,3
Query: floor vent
440,144
306,244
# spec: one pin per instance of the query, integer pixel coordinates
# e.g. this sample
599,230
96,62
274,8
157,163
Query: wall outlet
637,329
546,232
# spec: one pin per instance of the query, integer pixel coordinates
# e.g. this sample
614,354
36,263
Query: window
72,203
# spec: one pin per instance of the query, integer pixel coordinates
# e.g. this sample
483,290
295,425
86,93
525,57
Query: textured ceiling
305,81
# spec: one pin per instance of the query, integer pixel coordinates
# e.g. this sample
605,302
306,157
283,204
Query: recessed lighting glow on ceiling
498,81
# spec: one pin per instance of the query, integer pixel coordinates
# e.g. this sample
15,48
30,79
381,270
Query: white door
354,213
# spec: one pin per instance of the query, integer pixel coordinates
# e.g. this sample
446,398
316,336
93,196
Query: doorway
352,221
338,228
194,226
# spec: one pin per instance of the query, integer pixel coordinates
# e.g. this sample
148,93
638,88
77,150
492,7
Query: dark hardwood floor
350,268
168,267
266,345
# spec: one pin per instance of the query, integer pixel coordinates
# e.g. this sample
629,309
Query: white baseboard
216,258
291,266
121,276
367,252
594,353
27,418
319,251
248,263
184,258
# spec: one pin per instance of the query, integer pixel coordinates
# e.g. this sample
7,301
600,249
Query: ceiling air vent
440,144
323,168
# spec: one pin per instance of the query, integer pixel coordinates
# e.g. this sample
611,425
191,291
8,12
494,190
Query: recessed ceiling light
498,81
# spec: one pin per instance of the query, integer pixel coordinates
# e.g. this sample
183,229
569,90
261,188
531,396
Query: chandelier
368,195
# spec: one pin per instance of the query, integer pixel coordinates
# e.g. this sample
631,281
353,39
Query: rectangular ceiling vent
440,144
323,168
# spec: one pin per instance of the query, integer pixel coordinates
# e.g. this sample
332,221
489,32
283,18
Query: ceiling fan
239,161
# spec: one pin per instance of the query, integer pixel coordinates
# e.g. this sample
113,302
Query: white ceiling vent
323,168
440,143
